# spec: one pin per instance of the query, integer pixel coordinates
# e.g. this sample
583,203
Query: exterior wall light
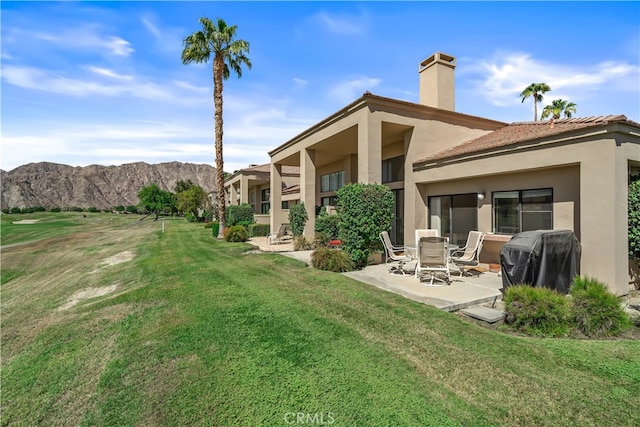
480,196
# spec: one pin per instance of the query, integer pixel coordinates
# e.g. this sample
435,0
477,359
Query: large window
522,210
264,201
252,200
454,216
328,201
332,181
393,169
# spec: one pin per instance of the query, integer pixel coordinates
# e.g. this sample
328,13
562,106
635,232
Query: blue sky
102,82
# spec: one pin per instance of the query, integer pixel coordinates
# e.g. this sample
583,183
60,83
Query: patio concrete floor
463,292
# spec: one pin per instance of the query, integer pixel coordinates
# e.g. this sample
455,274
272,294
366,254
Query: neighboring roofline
251,169
600,123
370,99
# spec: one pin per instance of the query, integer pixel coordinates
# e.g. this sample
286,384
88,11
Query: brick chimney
437,86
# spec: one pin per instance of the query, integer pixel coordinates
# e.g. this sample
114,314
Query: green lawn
202,332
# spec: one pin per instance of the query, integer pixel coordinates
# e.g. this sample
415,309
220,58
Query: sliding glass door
397,223
454,216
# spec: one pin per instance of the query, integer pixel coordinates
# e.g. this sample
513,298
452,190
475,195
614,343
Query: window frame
388,172
520,209
334,181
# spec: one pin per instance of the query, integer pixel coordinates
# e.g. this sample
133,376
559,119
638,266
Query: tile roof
291,190
266,168
521,132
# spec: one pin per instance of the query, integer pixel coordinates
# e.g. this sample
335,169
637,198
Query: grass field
108,321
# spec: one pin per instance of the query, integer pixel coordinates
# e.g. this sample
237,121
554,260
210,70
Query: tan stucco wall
599,213
425,135
564,181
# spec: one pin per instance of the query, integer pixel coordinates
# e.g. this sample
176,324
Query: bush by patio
300,243
537,311
334,260
297,218
240,215
256,230
237,233
327,225
364,210
595,310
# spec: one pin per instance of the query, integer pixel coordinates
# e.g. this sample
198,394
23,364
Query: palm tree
535,90
558,107
217,39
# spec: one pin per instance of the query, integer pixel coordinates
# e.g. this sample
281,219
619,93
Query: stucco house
458,172
252,185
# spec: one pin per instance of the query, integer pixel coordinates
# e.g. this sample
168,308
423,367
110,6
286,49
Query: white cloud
150,26
167,39
109,73
346,25
503,78
104,143
86,38
350,90
113,84
300,82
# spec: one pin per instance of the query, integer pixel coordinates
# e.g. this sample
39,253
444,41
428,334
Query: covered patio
463,292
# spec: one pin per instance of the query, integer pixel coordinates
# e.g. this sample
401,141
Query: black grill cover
549,258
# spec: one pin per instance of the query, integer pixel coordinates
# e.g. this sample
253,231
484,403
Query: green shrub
5,210
256,230
298,218
54,209
215,229
364,210
132,209
596,311
301,244
321,241
537,311
237,233
331,260
15,210
190,217
327,224
240,215
208,224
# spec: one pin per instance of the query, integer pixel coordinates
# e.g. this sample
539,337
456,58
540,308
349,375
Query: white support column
370,150
308,189
244,190
233,195
276,215
603,220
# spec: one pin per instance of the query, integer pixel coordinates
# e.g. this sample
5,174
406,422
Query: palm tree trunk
535,107
218,67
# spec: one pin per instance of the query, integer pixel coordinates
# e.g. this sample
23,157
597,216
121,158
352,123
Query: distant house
252,185
457,172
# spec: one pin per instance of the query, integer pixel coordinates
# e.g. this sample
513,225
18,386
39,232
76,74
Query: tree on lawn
217,39
192,200
558,107
156,200
535,91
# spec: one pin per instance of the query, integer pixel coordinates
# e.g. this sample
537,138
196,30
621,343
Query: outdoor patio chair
469,255
395,254
426,232
280,235
433,258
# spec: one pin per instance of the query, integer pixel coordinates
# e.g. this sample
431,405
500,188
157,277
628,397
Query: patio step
487,314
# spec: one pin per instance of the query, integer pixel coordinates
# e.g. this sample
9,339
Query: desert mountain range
56,185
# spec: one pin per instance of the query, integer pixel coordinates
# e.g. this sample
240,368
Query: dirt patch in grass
87,294
119,258
26,221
